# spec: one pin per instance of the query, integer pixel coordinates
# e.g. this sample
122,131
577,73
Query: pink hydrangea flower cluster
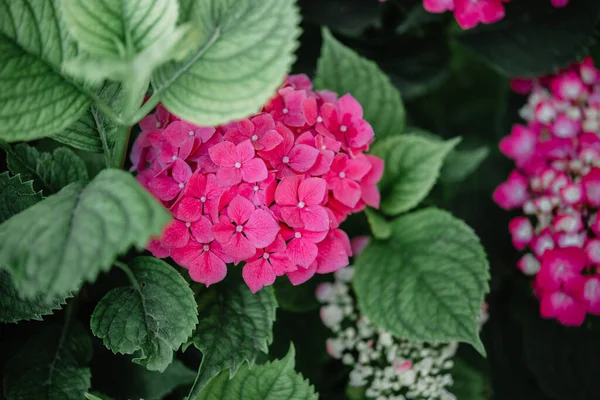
556,183
470,13
269,190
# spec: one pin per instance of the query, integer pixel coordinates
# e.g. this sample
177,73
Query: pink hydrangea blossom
470,13
268,191
556,184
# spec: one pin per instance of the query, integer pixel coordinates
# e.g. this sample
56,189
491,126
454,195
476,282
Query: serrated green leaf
427,282
235,328
469,383
298,299
150,385
52,365
274,380
518,45
248,50
49,172
85,133
380,228
342,70
154,316
96,396
37,98
15,195
412,166
69,237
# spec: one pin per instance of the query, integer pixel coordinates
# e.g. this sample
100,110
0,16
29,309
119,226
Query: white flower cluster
389,369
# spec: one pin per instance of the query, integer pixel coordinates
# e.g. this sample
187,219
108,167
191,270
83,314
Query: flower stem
120,147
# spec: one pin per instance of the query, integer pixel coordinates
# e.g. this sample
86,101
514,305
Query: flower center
181,185
174,158
285,111
205,247
254,138
239,228
191,133
342,174
256,188
319,119
301,204
203,199
323,147
343,128
266,256
157,124
238,164
188,224
286,160
297,235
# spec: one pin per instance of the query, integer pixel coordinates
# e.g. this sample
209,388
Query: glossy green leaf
342,70
70,237
247,51
15,195
153,316
412,166
37,98
52,365
274,380
427,281
49,172
236,326
380,228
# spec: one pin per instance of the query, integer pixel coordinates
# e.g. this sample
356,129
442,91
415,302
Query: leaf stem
106,110
103,139
120,147
130,275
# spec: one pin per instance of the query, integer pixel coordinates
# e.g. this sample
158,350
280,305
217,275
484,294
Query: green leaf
469,383
150,385
37,98
459,164
518,45
49,172
412,166
154,316
15,195
14,309
86,133
248,50
298,299
342,70
69,237
275,380
52,365
380,228
427,282
123,40
236,326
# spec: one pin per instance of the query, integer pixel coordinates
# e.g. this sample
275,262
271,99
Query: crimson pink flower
300,201
565,308
438,6
470,13
512,193
237,163
561,268
269,190
245,229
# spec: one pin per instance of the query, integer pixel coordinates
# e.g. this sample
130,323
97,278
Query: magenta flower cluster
470,13
270,190
556,183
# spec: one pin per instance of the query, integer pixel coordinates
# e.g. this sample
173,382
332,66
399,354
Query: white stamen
297,235
323,147
174,158
188,224
266,256
191,133
343,128
205,247
285,111
203,199
286,160
239,228
319,119
254,138
157,124
181,185
238,164
342,174
256,188
301,204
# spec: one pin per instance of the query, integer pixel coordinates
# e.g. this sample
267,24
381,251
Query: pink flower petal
302,275
164,188
302,251
223,154
315,218
302,157
563,307
257,274
261,229
254,170
312,191
202,230
240,209
175,235
286,193
227,176
244,151
208,269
